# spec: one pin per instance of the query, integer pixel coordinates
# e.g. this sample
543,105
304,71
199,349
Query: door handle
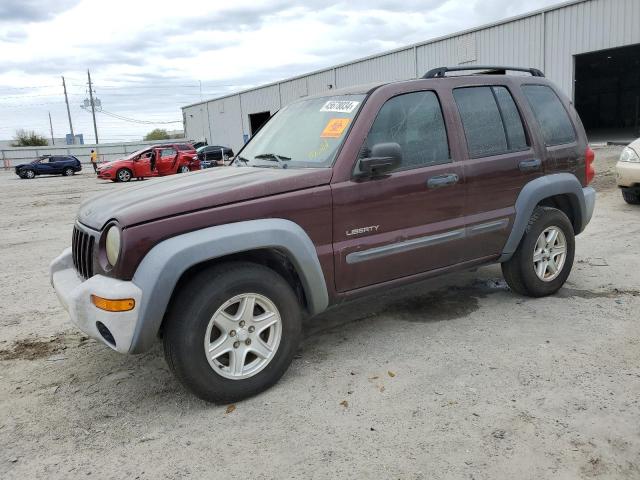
530,165
440,181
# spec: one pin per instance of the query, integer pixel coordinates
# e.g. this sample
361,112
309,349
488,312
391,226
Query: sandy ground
452,378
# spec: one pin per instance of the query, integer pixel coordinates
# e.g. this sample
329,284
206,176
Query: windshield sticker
335,128
340,106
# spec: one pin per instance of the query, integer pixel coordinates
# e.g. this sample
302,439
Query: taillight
590,170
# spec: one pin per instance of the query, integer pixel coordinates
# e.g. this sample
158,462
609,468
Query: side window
491,121
168,152
551,115
415,122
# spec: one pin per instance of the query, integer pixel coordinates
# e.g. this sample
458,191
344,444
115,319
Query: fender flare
161,269
582,202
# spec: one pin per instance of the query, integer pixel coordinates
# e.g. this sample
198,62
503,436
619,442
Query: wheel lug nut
252,329
242,323
232,333
236,344
248,341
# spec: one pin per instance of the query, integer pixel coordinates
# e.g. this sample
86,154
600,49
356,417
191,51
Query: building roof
399,49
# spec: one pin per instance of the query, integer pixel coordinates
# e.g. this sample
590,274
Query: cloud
13,35
33,10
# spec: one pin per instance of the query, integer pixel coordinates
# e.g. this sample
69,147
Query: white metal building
590,48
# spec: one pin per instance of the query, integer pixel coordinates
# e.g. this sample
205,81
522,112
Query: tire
124,175
630,196
520,270
188,327
67,172
183,169
28,174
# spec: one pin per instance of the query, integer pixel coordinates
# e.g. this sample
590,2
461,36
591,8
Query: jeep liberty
338,195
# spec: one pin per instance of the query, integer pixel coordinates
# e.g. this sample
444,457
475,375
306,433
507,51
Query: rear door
411,220
167,163
500,161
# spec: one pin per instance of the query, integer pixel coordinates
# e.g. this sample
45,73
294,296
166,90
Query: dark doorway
256,120
607,91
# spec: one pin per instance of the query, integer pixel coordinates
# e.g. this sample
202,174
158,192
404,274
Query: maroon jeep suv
338,195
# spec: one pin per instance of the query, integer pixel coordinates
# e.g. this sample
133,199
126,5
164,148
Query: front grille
82,246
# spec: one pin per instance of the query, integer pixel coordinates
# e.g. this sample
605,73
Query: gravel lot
452,378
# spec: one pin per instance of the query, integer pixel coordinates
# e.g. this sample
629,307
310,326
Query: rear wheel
232,331
631,196
543,260
123,175
67,172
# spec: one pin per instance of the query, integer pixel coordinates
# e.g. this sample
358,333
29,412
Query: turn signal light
122,305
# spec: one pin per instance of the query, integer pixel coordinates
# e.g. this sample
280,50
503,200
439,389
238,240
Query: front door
142,165
411,220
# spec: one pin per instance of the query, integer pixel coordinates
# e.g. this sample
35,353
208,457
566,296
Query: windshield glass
304,134
134,154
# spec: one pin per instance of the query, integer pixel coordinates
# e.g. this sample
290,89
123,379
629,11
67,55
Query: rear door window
491,121
415,122
552,117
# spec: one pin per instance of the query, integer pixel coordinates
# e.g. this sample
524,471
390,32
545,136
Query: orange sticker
335,128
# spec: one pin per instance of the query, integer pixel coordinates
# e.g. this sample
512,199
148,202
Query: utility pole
53,142
93,107
66,99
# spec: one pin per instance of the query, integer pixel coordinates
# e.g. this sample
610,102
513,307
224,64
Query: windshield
135,154
305,134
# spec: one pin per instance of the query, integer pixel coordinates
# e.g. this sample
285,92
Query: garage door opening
607,93
256,120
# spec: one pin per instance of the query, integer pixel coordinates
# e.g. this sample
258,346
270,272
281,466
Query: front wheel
232,331
123,175
543,260
28,174
183,169
67,172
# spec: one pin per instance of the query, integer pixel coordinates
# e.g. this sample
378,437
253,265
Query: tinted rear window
184,146
554,122
491,121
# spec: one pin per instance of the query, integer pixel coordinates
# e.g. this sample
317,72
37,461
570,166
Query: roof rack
488,70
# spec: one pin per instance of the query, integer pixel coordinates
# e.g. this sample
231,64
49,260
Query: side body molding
582,202
163,266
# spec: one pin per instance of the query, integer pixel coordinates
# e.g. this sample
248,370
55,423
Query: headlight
112,245
629,155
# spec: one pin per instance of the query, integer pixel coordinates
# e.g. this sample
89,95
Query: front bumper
75,295
627,174
107,175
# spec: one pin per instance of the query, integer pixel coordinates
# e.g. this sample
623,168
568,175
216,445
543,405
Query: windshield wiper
272,157
242,159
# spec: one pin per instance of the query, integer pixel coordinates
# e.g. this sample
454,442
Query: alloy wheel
549,254
243,336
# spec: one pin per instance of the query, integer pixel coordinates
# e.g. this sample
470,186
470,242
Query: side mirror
384,158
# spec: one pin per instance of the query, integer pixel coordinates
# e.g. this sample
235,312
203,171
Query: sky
150,57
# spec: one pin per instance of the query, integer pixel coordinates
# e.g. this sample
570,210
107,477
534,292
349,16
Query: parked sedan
213,155
628,173
65,165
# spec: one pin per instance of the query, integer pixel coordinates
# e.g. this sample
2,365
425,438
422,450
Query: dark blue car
65,165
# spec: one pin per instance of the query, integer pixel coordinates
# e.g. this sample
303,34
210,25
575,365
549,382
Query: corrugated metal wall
547,40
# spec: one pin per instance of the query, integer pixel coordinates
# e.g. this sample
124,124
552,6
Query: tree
157,134
24,138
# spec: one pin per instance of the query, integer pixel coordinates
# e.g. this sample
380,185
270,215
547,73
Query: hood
112,163
187,192
635,145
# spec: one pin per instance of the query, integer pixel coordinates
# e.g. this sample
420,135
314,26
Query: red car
157,161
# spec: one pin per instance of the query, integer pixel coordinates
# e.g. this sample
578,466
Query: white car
628,173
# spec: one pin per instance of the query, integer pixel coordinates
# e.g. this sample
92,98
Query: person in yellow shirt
94,160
